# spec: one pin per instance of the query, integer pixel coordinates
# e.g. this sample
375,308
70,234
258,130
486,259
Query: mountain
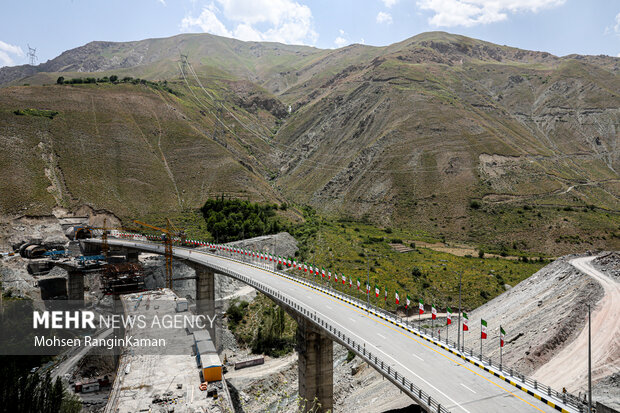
452,136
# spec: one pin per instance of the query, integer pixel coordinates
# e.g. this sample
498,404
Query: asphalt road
457,385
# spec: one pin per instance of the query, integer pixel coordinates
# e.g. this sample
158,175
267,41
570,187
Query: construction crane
167,238
179,232
105,247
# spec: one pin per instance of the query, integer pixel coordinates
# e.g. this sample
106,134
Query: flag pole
501,348
458,331
589,361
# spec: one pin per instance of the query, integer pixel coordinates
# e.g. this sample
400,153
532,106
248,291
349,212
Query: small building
201,335
182,305
211,367
204,348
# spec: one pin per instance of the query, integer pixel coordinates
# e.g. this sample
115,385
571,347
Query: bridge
435,374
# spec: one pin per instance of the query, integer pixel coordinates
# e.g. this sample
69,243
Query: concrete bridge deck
452,382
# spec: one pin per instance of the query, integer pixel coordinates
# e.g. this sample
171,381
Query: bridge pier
316,368
75,286
205,299
132,255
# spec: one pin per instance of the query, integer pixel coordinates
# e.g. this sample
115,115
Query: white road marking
382,336
377,349
351,319
328,307
416,356
468,388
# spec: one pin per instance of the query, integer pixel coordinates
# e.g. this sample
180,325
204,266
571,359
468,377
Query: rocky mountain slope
450,135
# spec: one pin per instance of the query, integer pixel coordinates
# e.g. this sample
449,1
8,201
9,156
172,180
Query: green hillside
459,138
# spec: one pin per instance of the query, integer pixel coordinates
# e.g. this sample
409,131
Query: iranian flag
295,263
358,283
323,272
299,264
397,297
385,297
316,270
376,291
434,312
290,263
350,282
421,306
367,288
335,277
408,301
483,328
465,320
502,334
449,316
306,268
311,270
344,279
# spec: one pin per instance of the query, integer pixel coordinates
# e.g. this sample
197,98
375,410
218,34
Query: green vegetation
262,325
114,79
354,249
233,219
36,112
21,391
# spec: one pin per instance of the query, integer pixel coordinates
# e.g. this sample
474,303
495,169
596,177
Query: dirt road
569,367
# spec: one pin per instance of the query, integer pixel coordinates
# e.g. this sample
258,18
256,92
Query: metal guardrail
423,398
567,399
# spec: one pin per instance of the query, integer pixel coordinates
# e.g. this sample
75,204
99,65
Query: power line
32,55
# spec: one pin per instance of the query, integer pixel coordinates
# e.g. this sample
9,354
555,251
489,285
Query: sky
560,27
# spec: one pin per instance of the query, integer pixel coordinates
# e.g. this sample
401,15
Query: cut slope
570,366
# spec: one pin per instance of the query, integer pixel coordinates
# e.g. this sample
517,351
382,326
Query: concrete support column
205,299
132,255
119,330
316,368
75,287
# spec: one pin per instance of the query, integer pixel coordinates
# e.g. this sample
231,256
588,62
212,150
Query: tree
480,254
113,78
60,80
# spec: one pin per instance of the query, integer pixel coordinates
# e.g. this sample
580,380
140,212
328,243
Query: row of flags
292,263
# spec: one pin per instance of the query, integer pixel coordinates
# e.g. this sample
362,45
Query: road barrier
530,386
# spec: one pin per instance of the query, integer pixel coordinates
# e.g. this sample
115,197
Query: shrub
480,254
60,80
416,272
474,204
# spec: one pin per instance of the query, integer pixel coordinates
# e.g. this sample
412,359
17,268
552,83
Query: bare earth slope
540,315
569,367
545,318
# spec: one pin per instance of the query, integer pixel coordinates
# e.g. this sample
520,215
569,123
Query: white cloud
207,22
6,51
162,2
384,18
284,21
341,40
389,3
467,13
617,26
